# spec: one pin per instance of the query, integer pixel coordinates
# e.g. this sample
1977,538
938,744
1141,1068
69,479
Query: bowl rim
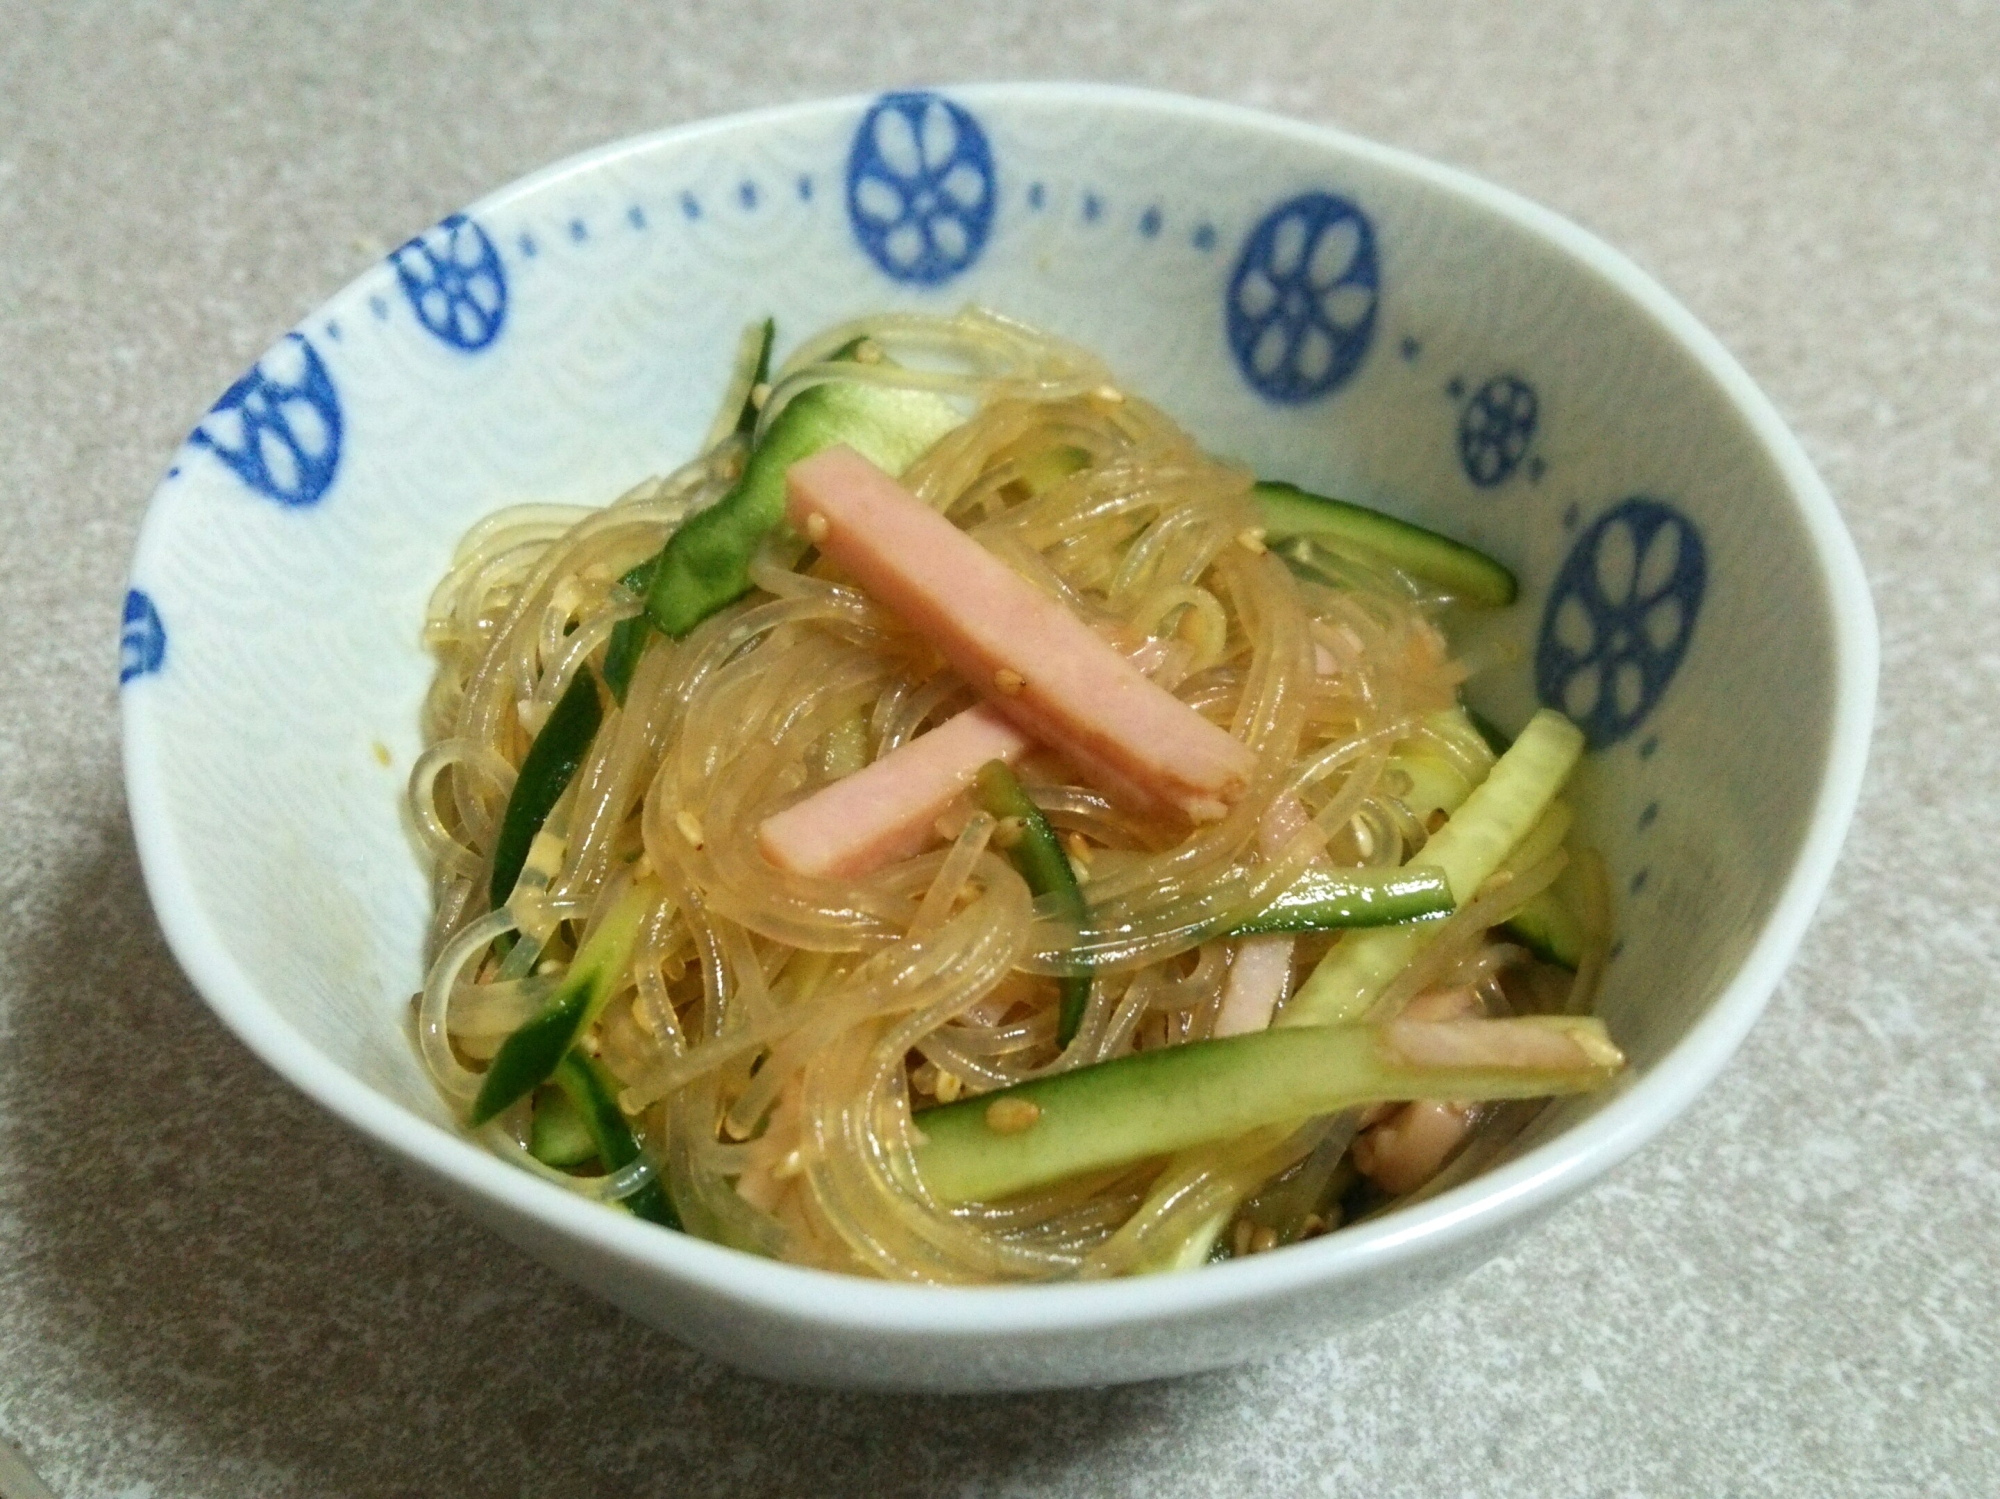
833,1302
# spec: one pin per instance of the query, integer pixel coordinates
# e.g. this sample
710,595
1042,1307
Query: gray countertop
206,1288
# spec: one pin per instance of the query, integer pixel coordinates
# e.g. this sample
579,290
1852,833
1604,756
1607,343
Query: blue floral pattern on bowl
142,638
1619,618
455,282
1494,429
279,426
920,187
1302,299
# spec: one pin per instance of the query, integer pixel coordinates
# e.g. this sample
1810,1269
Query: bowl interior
1336,314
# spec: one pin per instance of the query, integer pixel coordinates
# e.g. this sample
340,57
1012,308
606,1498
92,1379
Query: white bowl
1477,363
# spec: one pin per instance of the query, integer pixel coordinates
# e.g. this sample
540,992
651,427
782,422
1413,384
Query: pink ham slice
886,810
889,810
1039,665
1262,971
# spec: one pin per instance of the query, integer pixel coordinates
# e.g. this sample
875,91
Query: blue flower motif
455,282
1301,306
920,187
278,427
142,642
1495,428
1619,618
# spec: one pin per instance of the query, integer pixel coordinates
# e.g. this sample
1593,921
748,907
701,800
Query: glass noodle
773,1032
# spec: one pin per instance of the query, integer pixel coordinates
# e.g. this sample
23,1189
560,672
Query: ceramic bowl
1340,314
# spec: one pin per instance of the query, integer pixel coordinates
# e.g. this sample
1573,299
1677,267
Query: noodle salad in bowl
881,891
1198,722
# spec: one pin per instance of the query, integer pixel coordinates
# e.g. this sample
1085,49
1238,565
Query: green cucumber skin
529,1057
1042,864
1323,900
1156,1102
746,419
594,1097
628,636
706,562
1548,929
558,1135
545,774
1289,511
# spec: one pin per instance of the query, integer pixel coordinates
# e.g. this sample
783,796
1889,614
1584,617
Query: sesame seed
868,352
793,1164
817,526
1251,539
690,826
948,1087
1263,1239
1010,1116
1009,682
1079,847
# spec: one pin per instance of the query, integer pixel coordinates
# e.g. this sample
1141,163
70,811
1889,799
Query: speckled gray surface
208,1289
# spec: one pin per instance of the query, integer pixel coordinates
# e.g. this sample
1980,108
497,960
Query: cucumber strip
1051,466
594,1097
528,1058
706,562
1437,782
1463,571
558,1136
1548,925
1543,840
628,636
1152,1103
737,417
760,374
1040,860
1326,900
1549,929
1466,850
545,774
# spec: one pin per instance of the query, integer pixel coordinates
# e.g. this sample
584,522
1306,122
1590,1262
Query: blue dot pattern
455,282
1302,299
1619,618
142,641
278,428
1495,428
920,187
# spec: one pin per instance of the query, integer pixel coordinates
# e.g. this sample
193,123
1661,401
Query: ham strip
886,810
1261,974
1044,669
1257,983
889,810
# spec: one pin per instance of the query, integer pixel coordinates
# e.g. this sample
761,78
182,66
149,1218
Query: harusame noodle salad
957,830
